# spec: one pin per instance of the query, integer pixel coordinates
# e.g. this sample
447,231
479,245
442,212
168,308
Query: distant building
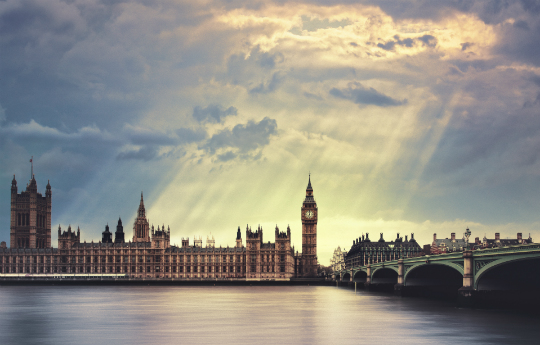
338,259
364,252
501,242
445,245
453,244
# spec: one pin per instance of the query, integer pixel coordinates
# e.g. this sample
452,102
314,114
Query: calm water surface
245,315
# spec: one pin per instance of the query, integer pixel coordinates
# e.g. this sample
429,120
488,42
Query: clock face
309,214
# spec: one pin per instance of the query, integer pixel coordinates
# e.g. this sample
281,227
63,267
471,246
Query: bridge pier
399,287
466,294
368,278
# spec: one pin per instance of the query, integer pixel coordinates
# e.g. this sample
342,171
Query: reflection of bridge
495,269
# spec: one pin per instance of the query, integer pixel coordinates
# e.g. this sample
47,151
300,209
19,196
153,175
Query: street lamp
467,235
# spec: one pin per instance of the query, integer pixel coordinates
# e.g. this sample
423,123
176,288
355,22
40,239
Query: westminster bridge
511,273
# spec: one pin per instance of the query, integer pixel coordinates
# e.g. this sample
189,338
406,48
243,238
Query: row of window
124,269
132,259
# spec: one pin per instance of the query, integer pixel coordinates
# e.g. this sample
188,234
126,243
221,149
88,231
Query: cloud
428,40
188,135
144,153
227,156
522,25
314,24
244,138
268,86
360,95
213,113
34,130
466,45
2,114
146,136
269,60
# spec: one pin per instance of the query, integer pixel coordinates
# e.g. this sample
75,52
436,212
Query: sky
411,116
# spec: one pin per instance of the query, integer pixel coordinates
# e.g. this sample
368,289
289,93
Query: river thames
245,315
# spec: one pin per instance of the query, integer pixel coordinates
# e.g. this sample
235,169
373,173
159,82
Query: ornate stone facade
309,214
150,254
364,252
30,216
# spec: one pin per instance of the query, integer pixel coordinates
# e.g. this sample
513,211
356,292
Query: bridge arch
360,276
442,276
346,277
505,270
384,275
375,269
455,266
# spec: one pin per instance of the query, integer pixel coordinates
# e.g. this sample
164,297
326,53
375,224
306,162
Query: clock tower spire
309,233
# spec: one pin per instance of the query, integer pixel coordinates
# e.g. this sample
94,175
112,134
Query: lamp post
467,235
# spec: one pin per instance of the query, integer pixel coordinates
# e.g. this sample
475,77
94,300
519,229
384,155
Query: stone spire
48,193
13,185
142,211
119,234
309,193
141,227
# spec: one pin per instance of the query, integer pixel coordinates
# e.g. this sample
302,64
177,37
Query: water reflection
244,315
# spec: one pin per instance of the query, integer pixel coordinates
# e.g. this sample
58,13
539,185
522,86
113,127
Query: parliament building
149,253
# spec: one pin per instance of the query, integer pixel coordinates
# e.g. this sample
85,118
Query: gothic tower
106,236
119,234
30,216
141,228
309,233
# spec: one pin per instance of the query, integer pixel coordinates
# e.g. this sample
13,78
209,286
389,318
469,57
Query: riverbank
164,282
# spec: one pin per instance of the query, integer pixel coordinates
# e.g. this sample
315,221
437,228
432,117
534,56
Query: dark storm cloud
387,46
360,95
520,42
246,137
428,40
213,113
466,45
243,69
227,156
268,86
522,25
269,60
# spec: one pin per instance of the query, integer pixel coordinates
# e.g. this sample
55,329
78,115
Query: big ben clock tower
309,233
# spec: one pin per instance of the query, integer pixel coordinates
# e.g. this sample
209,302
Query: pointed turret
48,191
141,227
106,236
32,186
309,193
238,238
13,185
142,211
119,234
